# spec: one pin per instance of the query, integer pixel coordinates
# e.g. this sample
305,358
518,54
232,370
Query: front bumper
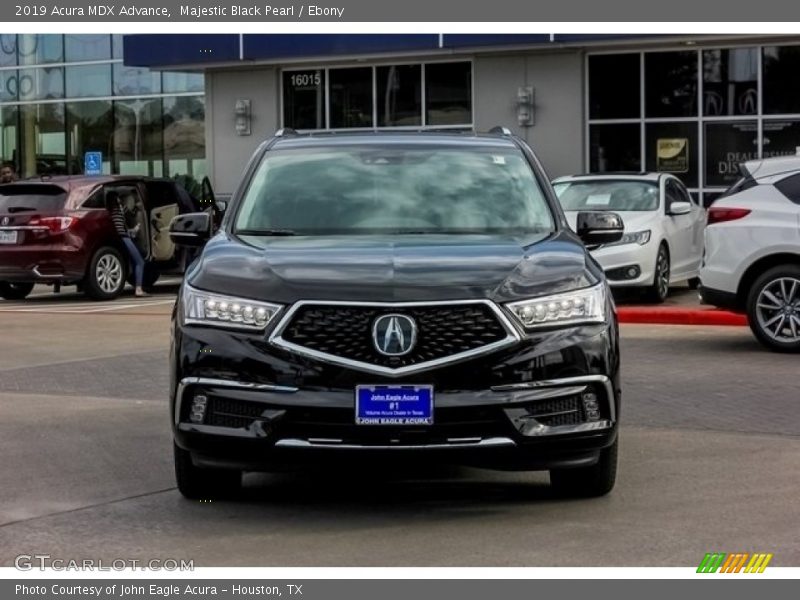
615,260
518,408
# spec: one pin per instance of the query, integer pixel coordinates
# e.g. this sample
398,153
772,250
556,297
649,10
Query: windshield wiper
277,232
16,209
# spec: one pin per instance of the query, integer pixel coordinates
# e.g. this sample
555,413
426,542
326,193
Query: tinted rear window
43,198
745,183
790,187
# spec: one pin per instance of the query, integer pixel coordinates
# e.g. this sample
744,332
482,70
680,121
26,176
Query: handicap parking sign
93,163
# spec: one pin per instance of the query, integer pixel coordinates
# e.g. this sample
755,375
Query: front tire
773,308
588,482
15,291
105,278
659,290
199,483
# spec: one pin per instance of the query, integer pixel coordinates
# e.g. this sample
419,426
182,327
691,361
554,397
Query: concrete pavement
709,455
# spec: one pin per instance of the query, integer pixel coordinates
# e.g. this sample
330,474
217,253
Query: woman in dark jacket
120,224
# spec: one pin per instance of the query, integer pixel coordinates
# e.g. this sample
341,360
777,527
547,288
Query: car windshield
20,197
615,195
363,190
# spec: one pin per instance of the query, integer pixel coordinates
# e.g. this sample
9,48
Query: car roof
650,176
388,138
770,167
73,182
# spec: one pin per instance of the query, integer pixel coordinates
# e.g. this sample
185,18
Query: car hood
392,269
633,220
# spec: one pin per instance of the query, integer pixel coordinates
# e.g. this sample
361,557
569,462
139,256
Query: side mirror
222,206
191,229
599,227
680,208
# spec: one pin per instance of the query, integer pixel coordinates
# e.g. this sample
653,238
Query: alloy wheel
778,309
109,273
662,274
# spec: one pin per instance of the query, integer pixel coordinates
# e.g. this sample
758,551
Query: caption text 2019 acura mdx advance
382,296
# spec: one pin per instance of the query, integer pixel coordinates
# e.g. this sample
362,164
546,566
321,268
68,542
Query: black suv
394,295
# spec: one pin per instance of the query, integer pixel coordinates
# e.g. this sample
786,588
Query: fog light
624,273
591,406
198,410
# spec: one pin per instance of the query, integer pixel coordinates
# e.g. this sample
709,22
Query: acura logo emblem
6,220
394,335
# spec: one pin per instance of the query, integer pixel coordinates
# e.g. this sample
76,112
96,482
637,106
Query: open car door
208,202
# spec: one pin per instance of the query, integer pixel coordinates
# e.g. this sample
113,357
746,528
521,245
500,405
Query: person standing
121,225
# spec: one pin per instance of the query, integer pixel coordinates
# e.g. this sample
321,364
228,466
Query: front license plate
394,405
8,237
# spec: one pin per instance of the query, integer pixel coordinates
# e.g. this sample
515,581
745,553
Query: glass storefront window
185,136
781,87
9,85
138,139
614,148
43,147
350,97
59,121
116,45
134,81
730,82
672,148
448,93
781,138
172,83
88,81
43,83
399,90
726,145
304,99
89,127
82,47
614,86
9,124
670,84
8,50
40,48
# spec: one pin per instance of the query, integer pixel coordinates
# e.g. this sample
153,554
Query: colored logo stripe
734,563
711,562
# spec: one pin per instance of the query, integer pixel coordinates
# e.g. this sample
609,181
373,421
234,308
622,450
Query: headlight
637,237
205,308
570,308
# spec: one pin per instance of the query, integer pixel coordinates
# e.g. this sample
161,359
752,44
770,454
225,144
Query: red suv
58,230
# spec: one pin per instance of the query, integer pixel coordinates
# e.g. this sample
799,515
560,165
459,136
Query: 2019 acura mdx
391,295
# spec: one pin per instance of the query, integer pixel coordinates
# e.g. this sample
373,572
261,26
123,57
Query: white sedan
663,240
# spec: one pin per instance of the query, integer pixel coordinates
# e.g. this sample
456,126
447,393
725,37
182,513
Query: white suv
752,251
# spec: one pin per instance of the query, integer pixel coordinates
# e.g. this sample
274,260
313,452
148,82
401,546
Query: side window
684,194
790,187
96,200
672,194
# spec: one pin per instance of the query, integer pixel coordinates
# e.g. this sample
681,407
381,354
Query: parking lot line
82,308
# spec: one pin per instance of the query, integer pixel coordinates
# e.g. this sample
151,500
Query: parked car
57,230
663,240
752,251
394,295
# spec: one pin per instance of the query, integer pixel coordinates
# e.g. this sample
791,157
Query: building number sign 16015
306,79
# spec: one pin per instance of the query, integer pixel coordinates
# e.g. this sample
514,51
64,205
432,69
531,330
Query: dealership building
191,105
